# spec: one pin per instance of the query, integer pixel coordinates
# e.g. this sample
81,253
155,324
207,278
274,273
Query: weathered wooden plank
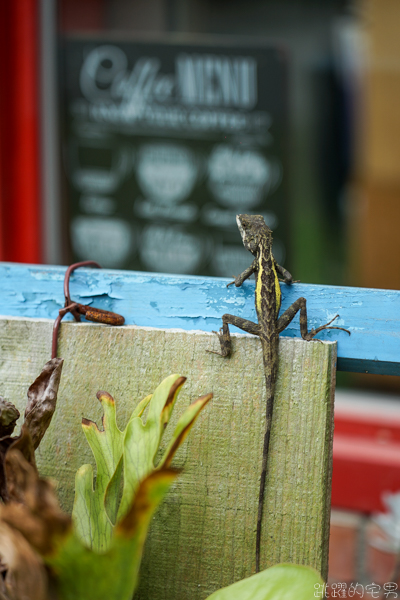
147,299
204,534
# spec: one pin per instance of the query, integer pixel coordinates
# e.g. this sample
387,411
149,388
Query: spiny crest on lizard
253,229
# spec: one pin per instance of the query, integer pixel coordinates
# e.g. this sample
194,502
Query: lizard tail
262,479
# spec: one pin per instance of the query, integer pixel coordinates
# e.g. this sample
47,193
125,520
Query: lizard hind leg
225,336
309,335
225,342
301,305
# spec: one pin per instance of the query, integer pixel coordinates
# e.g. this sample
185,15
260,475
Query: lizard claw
218,333
309,336
214,351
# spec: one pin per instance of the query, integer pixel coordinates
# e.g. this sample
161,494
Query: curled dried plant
42,399
30,518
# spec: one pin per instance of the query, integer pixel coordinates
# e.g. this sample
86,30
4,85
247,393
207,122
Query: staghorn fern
97,554
127,455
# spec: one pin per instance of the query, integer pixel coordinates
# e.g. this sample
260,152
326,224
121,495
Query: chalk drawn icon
183,213
166,172
108,241
170,250
98,166
241,177
97,205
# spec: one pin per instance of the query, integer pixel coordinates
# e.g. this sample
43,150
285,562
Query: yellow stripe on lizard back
278,294
259,284
277,287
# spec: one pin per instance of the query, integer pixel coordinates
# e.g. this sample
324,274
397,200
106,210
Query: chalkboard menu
165,144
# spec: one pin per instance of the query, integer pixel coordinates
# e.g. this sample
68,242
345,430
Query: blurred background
133,131
159,121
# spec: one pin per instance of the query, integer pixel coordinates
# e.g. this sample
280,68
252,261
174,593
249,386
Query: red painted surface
1,218
76,15
19,127
366,458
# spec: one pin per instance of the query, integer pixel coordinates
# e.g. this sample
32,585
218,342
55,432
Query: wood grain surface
203,536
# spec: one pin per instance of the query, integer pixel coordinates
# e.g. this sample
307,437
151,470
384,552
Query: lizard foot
310,335
225,345
232,282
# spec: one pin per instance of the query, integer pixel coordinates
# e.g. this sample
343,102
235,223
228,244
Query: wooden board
150,299
203,536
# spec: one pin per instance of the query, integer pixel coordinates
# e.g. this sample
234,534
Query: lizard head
253,229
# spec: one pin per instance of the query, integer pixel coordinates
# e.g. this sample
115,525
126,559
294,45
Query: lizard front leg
286,276
245,275
301,305
225,336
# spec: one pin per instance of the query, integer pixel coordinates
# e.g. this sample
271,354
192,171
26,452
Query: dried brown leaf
23,443
42,399
21,475
5,443
33,510
8,417
25,574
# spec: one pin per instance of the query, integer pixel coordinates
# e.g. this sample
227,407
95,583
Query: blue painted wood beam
197,303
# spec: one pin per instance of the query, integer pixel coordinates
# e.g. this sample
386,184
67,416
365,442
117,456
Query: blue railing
197,303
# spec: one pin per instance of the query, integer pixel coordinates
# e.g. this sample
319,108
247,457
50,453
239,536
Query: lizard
257,238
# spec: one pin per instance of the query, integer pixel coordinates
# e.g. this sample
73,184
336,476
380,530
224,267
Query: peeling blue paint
188,302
